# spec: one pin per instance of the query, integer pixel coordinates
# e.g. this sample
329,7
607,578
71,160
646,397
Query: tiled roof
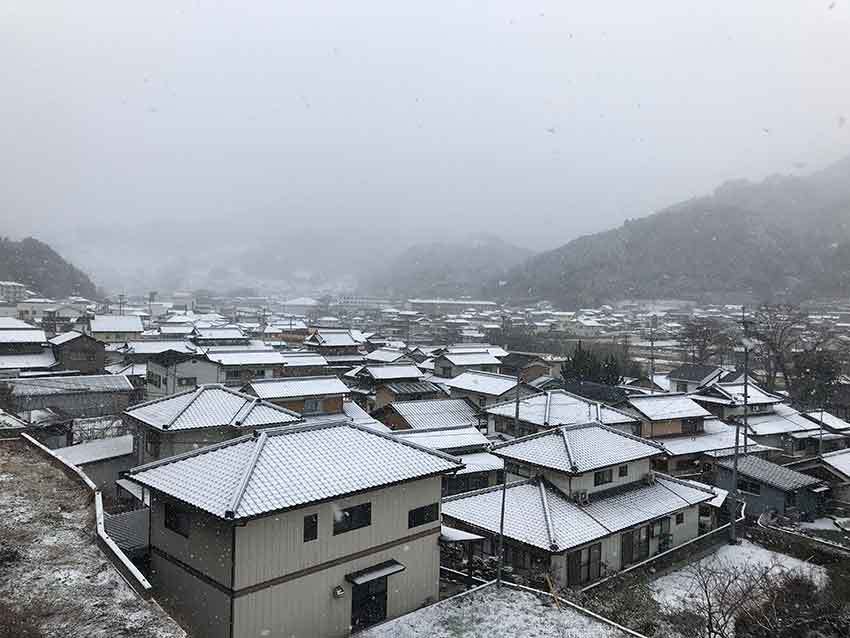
540,515
482,382
577,449
558,407
769,473
696,373
292,387
286,468
116,323
480,462
157,346
453,438
435,413
41,386
659,407
219,333
306,358
385,355
210,406
733,394
412,387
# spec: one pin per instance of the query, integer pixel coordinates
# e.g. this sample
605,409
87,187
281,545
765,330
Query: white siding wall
637,469
306,607
274,546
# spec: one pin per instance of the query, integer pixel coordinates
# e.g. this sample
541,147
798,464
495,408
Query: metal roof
20,335
298,359
285,468
247,358
435,413
97,450
482,358
540,515
558,407
43,359
210,406
783,420
483,382
413,387
480,462
115,323
577,449
390,372
295,387
65,337
694,372
838,460
660,407
763,471
41,386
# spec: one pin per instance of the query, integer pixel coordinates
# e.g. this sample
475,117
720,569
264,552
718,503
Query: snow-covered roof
839,460
435,413
784,419
86,384
488,383
212,334
391,372
482,358
829,420
157,346
764,471
97,450
577,449
452,438
286,468
303,359
716,436
39,360
210,406
334,338
247,358
475,462
661,407
115,323
65,337
21,335
385,355
733,394
296,387
540,515
559,407
128,369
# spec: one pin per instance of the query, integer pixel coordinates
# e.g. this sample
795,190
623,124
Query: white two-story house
297,531
581,503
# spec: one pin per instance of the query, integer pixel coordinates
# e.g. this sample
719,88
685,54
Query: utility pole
746,376
501,561
733,493
121,300
653,322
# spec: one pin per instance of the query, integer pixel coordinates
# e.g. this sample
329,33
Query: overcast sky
535,120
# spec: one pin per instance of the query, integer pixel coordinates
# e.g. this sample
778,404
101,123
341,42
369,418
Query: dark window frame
353,518
177,519
603,477
423,515
623,471
311,527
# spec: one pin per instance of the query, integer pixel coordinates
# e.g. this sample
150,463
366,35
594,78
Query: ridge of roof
550,531
485,490
248,470
568,451
694,484
197,392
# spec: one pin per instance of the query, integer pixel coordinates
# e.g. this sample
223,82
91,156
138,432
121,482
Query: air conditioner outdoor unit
649,478
581,497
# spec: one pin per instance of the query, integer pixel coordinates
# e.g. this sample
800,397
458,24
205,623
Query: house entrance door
368,603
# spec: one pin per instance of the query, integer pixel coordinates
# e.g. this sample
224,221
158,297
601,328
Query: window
177,520
152,443
622,471
584,565
154,379
791,499
258,374
681,386
232,374
187,381
422,515
692,425
680,518
311,527
352,518
603,477
311,406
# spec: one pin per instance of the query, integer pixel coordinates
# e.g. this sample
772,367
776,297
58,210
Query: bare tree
719,591
777,330
705,339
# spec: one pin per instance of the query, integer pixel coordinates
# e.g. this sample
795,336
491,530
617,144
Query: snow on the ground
53,572
493,613
675,588
820,523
